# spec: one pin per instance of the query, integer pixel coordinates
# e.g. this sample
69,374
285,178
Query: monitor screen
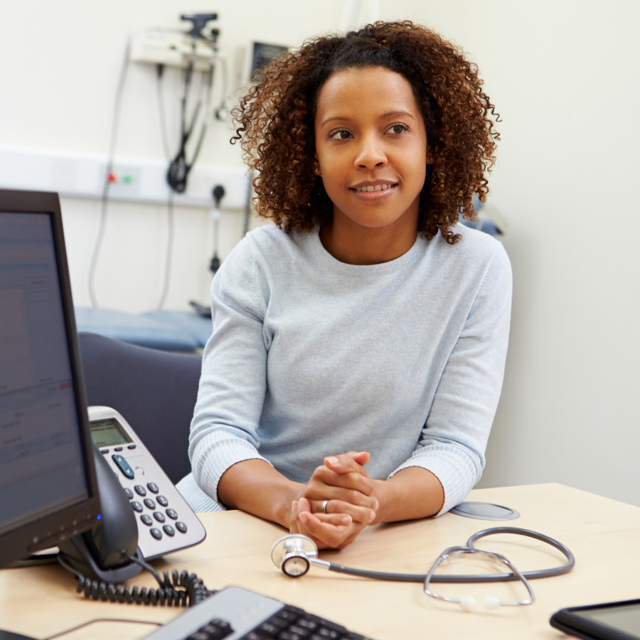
47,477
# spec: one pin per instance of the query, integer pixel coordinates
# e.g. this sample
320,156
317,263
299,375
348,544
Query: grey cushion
155,391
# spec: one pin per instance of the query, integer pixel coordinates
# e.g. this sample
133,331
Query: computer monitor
48,487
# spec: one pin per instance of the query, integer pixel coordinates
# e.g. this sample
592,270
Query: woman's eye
398,128
341,134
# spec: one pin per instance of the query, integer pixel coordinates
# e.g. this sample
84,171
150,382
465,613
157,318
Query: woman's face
371,147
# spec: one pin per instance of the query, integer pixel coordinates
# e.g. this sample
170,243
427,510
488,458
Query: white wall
564,76
60,69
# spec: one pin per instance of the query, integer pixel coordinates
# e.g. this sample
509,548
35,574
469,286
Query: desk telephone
143,514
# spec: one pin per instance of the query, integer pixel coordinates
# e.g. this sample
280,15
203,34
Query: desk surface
602,533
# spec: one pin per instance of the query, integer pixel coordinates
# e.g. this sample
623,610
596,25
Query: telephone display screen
108,433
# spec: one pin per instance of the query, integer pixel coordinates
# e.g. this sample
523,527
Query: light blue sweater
311,357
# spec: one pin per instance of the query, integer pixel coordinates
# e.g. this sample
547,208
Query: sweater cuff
457,473
216,453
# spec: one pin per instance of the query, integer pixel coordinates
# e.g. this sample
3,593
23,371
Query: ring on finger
324,506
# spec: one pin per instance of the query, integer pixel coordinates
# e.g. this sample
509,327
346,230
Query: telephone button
159,516
153,487
129,493
169,530
150,503
156,533
172,513
131,446
123,465
136,506
146,519
118,449
140,490
181,527
162,500
104,450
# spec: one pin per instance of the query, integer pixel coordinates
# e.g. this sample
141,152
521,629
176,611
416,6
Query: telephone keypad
149,503
136,506
140,490
146,519
159,516
162,501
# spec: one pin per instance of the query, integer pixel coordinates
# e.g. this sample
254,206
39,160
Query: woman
358,345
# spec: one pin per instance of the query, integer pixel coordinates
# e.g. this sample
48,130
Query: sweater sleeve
455,435
233,379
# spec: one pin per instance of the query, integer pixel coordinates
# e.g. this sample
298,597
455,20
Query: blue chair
197,327
134,329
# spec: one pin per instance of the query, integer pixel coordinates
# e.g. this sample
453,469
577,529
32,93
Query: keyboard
238,614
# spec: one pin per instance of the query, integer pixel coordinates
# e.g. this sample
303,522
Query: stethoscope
295,553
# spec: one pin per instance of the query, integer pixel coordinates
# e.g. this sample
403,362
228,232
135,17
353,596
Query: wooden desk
602,533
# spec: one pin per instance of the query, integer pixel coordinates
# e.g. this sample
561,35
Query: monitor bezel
48,531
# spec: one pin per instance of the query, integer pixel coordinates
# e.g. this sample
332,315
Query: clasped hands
351,505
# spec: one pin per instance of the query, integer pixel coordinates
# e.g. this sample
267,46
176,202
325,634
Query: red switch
112,178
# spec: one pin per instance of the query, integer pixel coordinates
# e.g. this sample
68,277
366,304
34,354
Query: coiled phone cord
180,590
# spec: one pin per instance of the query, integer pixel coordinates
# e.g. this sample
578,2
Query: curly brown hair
275,121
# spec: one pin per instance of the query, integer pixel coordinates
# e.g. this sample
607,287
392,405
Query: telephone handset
143,514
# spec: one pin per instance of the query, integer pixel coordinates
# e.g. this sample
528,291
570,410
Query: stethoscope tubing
489,577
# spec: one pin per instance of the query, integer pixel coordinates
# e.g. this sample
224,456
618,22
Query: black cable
178,590
221,111
86,624
168,259
105,191
180,167
163,116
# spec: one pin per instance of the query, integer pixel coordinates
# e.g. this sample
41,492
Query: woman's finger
359,514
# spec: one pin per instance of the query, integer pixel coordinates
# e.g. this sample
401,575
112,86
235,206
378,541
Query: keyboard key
169,530
156,533
159,516
129,493
181,527
172,513
269,628
136,506
215,630
140,490
150,503
153,487
146,519
162,501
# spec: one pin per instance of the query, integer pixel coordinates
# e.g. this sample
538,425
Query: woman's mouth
374,192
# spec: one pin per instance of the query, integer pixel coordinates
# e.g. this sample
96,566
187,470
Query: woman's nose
371,153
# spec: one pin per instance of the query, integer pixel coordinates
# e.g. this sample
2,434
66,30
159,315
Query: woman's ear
430,158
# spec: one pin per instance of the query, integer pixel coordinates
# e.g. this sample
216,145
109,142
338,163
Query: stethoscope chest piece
293,553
